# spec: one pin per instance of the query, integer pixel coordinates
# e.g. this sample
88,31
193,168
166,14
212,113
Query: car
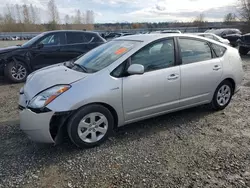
166,31
214,37
171,31
15,38
112,35
45,49
126,80
231,34
244,44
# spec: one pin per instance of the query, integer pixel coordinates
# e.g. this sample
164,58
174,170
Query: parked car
170,31
231,34
126,80
15,38
45,49
165,31
244,44
112,35
214,37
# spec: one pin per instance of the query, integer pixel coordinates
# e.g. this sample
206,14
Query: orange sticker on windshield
121,51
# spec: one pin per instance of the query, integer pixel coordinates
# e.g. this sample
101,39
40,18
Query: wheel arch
109,107
18,58
232,82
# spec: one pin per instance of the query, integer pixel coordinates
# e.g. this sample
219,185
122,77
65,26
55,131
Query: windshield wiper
84,69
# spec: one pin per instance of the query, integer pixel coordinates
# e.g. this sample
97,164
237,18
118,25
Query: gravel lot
191,148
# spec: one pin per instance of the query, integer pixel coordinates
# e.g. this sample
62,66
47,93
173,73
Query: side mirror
40,45
224,35
135,69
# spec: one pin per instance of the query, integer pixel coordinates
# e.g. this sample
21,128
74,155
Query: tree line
21,18
25,17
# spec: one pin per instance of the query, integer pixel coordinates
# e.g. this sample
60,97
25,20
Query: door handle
173,77
216,67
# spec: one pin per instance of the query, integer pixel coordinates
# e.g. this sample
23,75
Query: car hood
9,49
50,76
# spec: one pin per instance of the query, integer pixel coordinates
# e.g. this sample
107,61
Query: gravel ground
11,43
192,148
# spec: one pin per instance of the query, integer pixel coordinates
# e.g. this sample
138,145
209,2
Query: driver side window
156,56
51,40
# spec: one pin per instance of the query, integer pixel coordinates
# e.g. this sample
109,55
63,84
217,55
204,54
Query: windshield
33,40
104,55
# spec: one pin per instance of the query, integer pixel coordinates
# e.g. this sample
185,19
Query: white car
15,38
214,37
126,80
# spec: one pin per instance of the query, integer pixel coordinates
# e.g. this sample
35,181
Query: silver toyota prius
127,80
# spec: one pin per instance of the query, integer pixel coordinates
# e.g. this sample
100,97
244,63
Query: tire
19,76
243,50
89,126
222,96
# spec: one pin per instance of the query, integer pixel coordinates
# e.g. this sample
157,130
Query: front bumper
36,126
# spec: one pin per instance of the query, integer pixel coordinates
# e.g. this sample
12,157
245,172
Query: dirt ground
192,148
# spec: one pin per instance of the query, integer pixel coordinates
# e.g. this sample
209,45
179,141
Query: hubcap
223,95
92,127
18,72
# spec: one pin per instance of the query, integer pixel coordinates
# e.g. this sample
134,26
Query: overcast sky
138,10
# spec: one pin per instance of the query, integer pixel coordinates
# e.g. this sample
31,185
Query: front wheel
222,95
90,126
16,71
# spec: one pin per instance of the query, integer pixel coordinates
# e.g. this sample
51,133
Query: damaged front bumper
44,126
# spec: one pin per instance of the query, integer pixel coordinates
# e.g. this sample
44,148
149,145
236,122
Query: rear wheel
222,95
90,126
16,71
243,50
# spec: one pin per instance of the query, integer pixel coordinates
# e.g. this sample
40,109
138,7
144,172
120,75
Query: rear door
200,71
50,53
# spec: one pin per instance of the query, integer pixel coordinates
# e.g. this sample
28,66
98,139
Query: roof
152,37
59,31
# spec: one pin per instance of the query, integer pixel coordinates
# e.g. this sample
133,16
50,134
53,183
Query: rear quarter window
92,37
218,50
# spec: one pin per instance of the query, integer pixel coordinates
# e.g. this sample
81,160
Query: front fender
98,88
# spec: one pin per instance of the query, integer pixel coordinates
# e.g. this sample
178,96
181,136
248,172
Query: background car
45,49
231,34
165,31
244,44
213,37
126,80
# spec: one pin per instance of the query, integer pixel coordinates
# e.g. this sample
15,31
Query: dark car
45,49
244,44
112,35
231,34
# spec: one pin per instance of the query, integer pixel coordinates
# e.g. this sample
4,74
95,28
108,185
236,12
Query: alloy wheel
18,72
92,127
223,95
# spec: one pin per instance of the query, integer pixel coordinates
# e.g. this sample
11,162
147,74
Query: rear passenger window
75,38
218,50
194,51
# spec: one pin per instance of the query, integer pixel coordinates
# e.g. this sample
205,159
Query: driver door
50,52
158,89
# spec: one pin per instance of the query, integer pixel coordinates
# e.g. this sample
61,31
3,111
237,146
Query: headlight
47,96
